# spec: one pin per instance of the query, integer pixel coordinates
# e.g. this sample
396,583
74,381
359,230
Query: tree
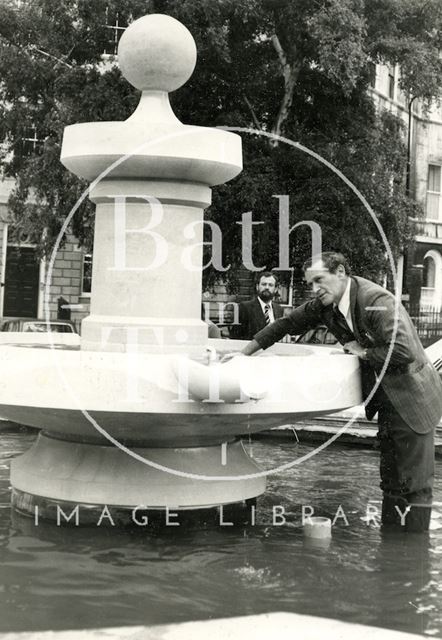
297,69
53,76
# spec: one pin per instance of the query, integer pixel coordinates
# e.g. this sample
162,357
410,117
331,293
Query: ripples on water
65,577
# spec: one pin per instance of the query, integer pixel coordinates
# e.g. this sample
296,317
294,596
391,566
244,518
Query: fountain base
58,471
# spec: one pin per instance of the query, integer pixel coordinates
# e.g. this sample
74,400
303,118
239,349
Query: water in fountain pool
68,577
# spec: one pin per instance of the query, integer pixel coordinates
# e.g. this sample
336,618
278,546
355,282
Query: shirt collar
344,302
264,304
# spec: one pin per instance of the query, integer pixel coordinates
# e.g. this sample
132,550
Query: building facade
24,288
420,270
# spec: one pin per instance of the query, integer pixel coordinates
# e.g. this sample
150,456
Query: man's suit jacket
252,319
411,383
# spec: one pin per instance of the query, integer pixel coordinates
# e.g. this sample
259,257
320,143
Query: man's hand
229,356
355,348
250,348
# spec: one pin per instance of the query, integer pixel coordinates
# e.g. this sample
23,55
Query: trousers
406,470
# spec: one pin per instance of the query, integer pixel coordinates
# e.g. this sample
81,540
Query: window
86,280
431,291
433,192
391,81
115,27
31,144
429,274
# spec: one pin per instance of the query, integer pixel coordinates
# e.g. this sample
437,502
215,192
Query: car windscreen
38,327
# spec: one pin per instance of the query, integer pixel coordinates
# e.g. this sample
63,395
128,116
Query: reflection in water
67,577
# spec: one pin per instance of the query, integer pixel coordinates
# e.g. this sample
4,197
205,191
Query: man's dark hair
331,261
265,274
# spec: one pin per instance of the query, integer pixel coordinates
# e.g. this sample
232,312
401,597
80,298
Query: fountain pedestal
84,474
144,296
150,180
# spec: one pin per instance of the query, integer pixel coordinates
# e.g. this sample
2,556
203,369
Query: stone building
23,287
425,264
421,270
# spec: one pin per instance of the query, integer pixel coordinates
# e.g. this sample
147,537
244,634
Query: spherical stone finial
157,52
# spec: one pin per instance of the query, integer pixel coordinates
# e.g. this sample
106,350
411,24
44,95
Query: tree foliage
297,69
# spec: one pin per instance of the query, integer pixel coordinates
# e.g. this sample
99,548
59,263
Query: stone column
151,177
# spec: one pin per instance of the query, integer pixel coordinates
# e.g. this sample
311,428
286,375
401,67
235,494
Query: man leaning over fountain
408,401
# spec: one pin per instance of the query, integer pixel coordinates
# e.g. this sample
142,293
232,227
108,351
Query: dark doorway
21,282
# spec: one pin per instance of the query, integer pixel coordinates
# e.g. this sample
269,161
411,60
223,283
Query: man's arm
250,348
307,316
380,320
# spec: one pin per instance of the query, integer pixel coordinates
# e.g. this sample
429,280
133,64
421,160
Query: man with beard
255,314
365,319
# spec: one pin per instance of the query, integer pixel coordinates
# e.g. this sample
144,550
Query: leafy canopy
295,69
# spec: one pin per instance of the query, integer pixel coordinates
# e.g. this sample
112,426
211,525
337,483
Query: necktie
266,314
345,333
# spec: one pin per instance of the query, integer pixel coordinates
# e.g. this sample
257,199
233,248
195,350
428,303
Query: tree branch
279,50
29,49
290,74
33,47
252,111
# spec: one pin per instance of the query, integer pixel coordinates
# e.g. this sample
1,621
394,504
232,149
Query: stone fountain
143,413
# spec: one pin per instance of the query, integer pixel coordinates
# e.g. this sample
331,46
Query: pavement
280,625
348,427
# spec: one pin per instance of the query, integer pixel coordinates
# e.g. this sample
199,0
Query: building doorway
21,282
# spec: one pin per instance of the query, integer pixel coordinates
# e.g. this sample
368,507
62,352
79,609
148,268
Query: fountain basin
140,399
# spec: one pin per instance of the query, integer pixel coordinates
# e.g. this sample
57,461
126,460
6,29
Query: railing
428,299
428,323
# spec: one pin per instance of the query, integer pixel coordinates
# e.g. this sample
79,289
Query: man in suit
364,318
257,313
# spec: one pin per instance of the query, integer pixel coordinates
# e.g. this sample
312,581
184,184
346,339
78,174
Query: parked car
319,335
38,325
